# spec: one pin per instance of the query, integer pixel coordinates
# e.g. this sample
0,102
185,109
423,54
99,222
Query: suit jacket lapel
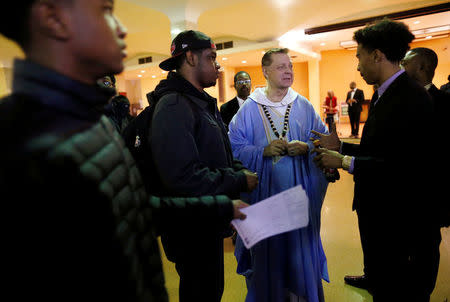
235,104
380,104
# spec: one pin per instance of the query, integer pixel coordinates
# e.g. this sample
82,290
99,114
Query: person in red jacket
330,106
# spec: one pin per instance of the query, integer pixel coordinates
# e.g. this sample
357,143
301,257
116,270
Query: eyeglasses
242,82
105,83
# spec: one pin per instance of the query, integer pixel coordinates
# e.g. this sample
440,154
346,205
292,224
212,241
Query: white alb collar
260,97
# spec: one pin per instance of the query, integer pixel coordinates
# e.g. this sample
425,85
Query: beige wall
337,70
4,87
133,89
137,90
230,91
314,84
147,85
8,51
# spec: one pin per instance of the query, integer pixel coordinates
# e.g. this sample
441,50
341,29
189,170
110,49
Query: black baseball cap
184,41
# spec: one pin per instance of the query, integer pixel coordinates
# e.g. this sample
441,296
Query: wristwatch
346,162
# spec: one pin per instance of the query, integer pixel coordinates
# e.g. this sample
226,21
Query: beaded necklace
286,121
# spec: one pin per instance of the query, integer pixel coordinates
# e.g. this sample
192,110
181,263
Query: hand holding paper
277,214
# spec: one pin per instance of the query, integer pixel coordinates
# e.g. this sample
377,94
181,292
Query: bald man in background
420,64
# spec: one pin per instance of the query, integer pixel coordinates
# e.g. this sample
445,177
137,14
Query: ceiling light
431,30
431,37
244,62
282,4
142,71
175,31
322,44
348,44
139,75
416,22
153,76
224,59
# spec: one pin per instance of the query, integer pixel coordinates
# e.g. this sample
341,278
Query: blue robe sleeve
244,148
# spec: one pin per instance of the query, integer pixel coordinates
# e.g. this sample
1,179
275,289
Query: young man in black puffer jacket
192,156
78,224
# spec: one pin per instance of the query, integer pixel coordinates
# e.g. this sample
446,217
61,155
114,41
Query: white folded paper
277,214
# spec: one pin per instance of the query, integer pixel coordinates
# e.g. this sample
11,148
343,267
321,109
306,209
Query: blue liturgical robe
291,262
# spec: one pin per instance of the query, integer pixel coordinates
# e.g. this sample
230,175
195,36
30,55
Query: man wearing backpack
192,156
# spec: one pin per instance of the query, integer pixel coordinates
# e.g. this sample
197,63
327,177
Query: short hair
267,57
240,73
390,37
15,21
179,60
428,57
120,99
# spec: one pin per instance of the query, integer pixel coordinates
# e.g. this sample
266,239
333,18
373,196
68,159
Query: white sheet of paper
277,214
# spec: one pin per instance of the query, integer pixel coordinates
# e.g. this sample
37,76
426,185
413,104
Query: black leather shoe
357,281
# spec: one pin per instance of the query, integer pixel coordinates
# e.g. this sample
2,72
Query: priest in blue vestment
271,135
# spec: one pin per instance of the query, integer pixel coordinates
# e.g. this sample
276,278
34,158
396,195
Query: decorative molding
394,16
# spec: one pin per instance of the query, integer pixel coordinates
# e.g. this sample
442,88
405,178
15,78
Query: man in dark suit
355,98
446,87
243,86
399,231
420,64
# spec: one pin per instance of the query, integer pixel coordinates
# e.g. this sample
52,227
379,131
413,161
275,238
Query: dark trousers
354,116
400,263
330,120
201,271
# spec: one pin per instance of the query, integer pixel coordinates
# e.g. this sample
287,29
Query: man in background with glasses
108,81
243,86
